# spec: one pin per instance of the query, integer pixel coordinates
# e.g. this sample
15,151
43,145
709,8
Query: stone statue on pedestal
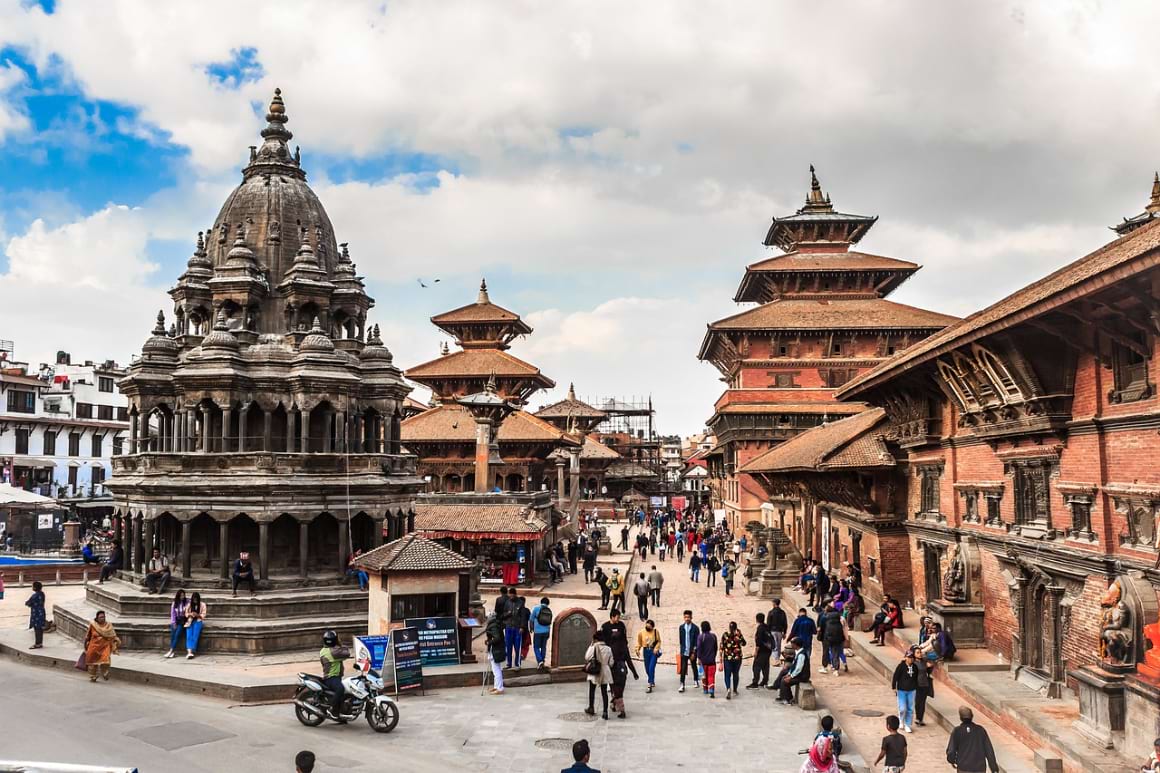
954,581
1116,630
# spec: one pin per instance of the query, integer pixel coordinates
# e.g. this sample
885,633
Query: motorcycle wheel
304,716
382,719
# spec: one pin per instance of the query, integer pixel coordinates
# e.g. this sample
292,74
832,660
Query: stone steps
129,600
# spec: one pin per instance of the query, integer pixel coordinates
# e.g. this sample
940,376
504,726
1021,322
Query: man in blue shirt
804,629
687,636
541,627
581,753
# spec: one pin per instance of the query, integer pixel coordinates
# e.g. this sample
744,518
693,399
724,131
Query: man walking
763,648
969,749
778,626
804,629
641,590
601,579
695,567
511,628
541,627
589,562
624,537
573,556
687,636
616,590
655,581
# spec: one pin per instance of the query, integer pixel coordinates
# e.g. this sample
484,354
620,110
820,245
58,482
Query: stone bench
805,696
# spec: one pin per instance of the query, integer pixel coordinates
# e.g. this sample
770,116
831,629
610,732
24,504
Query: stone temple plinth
265,419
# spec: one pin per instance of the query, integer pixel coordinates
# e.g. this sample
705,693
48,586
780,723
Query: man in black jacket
763,648
616,637
778,626
970,750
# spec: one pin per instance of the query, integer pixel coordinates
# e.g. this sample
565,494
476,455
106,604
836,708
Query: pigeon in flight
422,284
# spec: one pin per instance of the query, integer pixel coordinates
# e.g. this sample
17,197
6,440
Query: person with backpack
616,590
589,562
541,628
598,669
763,648
905,684
496,651
642,591
728,573
832,632
601,579
925,689
694,566
835,736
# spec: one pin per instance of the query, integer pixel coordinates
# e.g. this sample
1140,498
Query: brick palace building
822,319
1005,481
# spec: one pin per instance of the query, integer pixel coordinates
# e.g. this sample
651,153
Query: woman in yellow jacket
648,646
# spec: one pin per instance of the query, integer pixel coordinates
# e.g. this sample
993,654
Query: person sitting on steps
243,572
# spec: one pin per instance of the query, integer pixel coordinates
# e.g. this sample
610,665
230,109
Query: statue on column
1116,628
954,581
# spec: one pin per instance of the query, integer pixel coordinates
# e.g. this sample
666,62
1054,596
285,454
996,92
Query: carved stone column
186,558
148,538
1019,606
267,430
134,423
205,415
304,430
243,412
264,550
138,563
303,547
378,538
227,418
343,546
224,543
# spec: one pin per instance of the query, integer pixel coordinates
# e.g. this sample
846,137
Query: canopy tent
10,496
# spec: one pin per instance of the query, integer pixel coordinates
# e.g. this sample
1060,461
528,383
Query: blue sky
610,169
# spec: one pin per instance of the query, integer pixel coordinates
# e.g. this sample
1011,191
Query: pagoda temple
444,437
822,319
579,418
263,421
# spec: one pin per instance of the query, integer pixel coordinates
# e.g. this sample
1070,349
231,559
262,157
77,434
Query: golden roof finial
483,297
1154,203
571,392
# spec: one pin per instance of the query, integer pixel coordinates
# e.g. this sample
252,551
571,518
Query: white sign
44,521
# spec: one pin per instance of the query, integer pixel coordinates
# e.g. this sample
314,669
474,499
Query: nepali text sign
371,650
408,663
438,640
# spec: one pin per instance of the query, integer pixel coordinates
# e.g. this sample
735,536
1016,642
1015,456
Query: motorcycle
364,694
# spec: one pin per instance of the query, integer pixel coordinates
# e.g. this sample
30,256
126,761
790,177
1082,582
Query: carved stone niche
1140,506
1080,499
976,495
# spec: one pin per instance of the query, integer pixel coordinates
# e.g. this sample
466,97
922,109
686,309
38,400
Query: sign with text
655,501
438,640
408,663
679,503
371,650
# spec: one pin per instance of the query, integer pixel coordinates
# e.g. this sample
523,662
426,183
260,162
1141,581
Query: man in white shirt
157,572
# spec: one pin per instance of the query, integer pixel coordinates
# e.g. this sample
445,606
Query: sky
610,168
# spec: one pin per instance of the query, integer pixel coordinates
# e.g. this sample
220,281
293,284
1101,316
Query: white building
671,458
60,427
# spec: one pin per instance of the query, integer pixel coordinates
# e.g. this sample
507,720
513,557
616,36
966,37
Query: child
893,747
835,736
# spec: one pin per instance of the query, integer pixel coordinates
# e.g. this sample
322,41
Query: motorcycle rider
331,655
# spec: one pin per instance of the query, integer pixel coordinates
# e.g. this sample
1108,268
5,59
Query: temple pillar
396,432
340,431
267,430
127,539
133,424
227,418
303,547
343,546
224,541
560,482
148,538
304,427
204,429
186,557
264,550
379,526
482,456
136,539
357,434
243,412
289,431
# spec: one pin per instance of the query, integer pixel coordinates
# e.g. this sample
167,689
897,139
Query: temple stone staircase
276,620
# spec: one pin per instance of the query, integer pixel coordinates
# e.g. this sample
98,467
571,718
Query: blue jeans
193,635
696,574
364,580
540,646
175,632
906,707
732,674
512,642
650,665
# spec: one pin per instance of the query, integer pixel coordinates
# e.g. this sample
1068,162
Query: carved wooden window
994,514
1081,515
1130,370
1032,493
872,567
957,386
971,498
1141,516
929,498
784,380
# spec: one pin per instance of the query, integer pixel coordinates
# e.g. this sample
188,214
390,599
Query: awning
33,461
95,504
10,495
75,464
479,535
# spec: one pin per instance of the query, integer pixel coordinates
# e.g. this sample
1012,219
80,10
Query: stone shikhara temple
264,419
1002,477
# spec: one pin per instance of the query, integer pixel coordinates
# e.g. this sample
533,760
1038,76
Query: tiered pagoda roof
483,324
1150,211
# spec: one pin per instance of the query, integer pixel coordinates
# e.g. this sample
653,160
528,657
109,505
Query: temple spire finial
490,388
816,199
159,328
483,296
571,391
1154,203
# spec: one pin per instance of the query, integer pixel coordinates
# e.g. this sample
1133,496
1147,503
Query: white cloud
82,287
12,116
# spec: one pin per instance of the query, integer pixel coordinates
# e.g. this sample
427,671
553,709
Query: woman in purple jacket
176,620
707,655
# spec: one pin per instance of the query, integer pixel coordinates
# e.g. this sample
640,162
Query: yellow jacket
647,638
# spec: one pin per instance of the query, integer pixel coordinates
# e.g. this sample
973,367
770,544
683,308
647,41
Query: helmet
329,639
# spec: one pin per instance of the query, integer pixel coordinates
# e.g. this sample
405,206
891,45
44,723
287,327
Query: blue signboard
438,640
374,650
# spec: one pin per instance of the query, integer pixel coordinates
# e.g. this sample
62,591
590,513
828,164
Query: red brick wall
999,624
